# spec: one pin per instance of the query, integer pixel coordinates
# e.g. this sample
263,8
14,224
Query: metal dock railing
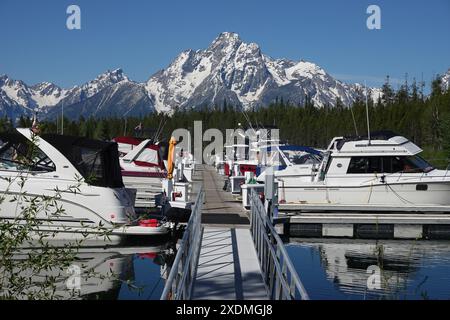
180,281
263,264
280,277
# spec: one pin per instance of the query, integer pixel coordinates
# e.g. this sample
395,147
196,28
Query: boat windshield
416,164
301,157
19,154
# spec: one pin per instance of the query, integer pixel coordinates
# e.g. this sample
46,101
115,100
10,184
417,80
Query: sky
142,37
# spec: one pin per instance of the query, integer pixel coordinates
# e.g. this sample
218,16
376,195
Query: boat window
21,155
91,165
410,164
393,164
365,165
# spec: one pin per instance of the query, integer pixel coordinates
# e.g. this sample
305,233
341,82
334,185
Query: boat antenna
62,118
367,114
354,121
246,117
160,129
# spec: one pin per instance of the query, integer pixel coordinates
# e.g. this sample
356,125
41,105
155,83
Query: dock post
270,194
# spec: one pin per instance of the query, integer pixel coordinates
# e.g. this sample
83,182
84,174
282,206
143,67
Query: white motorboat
80,176
285,161
244,159
383,173
289,160
143,168
185,164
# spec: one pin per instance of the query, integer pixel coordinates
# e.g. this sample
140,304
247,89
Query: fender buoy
152,223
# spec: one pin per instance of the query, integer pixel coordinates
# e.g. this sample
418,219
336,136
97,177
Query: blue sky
142,37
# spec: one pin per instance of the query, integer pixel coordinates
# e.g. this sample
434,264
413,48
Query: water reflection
129,272
338,268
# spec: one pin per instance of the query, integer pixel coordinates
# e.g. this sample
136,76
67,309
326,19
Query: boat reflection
130,272
406,269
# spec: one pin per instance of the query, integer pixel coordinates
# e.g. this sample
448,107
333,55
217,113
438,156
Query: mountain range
228,70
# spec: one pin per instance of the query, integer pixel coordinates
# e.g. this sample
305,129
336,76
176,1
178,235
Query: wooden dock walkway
228,267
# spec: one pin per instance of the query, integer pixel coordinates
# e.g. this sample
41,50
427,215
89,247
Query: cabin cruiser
77,183
381,172
142,167
242,160
284,161
145,167
143,157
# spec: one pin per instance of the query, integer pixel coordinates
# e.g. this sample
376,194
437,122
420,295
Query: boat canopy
145,154
126,144
97,161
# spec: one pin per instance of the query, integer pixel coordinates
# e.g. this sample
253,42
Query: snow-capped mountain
446,80
228,70
16,98
91,88
110,94
238,72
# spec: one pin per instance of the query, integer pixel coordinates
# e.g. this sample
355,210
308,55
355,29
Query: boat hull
382,197
147,188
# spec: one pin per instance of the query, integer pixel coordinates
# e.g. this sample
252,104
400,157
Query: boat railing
446,171
179,283
280,277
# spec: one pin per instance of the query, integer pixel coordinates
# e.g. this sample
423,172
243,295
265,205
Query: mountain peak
225,39
113,76
226,36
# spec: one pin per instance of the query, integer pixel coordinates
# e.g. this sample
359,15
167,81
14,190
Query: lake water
328,268
338,269
139,273
113,273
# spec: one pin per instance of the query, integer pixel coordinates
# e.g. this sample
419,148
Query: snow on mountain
228,70
115,100
17,98
446,80
91,88
47,94
113,92
304,69
235,71
17,92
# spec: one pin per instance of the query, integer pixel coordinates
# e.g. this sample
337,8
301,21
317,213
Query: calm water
329,269
337,269
113,273
139,273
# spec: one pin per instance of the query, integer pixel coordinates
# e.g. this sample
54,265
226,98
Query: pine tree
387,92
436,86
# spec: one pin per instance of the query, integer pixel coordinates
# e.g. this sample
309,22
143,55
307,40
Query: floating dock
228,267
371,225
